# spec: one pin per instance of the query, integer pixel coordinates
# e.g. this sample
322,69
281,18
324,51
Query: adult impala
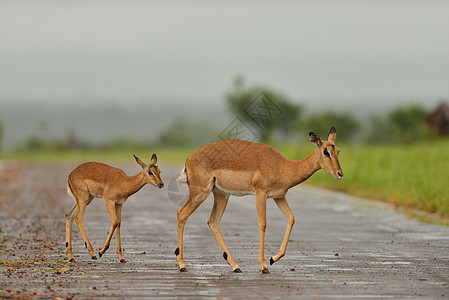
237,167
99,180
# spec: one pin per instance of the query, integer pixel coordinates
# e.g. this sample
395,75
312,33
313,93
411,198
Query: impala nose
161,185
340,173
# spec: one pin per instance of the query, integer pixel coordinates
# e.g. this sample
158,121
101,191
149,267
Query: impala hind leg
69,218
283,206
79,221
220,202
196,197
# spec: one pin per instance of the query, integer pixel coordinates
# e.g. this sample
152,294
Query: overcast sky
321,53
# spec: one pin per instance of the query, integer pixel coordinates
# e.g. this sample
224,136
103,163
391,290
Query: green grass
412,176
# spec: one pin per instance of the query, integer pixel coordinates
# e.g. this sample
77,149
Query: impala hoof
94,257
271,261
183,270
99,254
265,271
238,270
72,260
123,261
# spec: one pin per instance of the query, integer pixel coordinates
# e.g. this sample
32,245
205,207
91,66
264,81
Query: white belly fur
219,189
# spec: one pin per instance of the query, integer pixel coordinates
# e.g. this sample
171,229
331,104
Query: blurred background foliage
404,125
1,135
347,125
240,97
185,134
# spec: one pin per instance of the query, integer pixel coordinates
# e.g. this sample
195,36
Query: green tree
1,135
403,125
42,144
264,109
347,126
183,133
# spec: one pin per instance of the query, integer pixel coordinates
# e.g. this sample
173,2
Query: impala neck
304,168
135,183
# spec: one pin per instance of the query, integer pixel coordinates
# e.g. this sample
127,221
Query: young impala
97,180
237,167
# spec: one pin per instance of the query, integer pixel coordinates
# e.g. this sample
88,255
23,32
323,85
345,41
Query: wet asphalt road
340,247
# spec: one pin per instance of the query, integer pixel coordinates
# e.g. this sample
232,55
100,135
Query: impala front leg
283,206
261,207
110,205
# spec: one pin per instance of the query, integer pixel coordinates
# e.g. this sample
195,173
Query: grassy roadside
413,176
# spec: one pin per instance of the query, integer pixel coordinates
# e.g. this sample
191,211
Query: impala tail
182,178
69,191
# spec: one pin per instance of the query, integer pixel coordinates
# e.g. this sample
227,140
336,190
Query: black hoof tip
123,261
265,271
183,270
99,254
72,260
238,270
94,257
271,261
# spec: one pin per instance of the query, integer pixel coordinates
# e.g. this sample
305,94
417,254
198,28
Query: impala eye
150,173
326,153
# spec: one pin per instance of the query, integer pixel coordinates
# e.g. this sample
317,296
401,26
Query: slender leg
196,197
69,217
220,202
110,205
79,222
283,206
118,211
261,207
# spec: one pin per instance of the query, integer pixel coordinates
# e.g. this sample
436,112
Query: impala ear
332,134
139,161
315,139
153,159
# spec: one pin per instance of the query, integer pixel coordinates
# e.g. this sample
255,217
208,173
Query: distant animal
238,167
97,180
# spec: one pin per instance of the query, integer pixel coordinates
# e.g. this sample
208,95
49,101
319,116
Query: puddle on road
340,269
315,266
425,236
359,282
390,263
378,255
346,239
